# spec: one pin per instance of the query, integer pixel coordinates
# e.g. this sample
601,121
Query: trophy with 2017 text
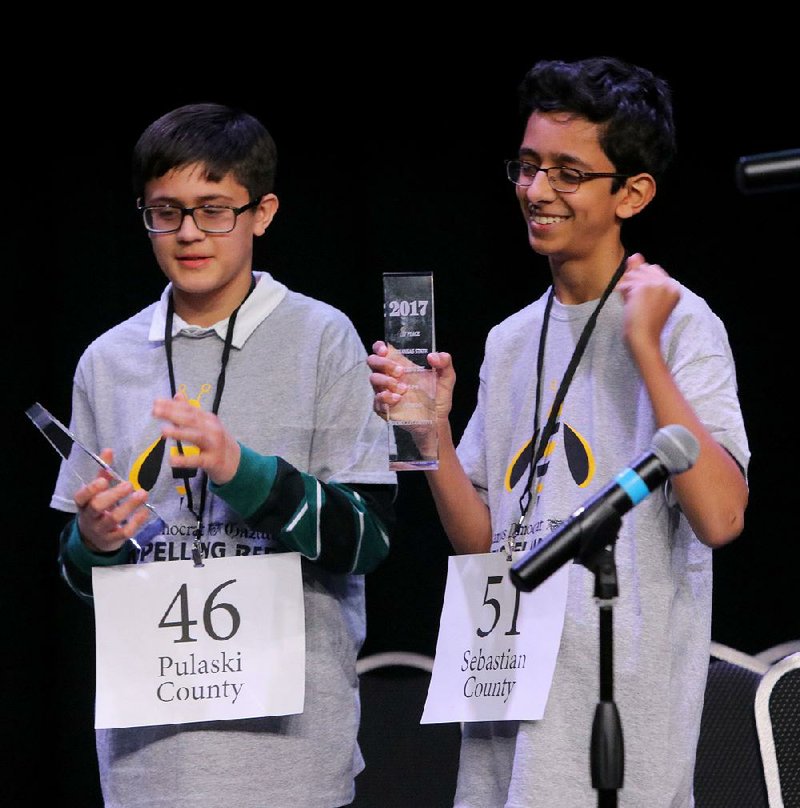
409,331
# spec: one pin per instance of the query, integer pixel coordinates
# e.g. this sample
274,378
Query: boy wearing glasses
572,387
242,412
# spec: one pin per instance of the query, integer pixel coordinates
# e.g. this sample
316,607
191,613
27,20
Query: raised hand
214,448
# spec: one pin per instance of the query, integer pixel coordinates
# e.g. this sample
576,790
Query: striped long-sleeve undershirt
344,528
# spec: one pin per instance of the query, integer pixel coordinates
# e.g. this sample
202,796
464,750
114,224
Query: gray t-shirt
296,386
662,617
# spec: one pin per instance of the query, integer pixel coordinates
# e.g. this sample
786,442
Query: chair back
407,763
778,722
728,767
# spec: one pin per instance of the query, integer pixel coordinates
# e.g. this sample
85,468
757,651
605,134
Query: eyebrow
559,159
201,200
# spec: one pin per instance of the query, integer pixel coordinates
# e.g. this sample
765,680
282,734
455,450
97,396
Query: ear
267,208
636,195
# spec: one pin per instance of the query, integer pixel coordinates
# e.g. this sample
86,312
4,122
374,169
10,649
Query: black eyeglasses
562,179
208,218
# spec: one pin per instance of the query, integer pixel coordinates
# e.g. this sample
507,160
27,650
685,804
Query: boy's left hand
214,449
649,295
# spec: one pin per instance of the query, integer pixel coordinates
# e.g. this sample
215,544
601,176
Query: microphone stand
607,749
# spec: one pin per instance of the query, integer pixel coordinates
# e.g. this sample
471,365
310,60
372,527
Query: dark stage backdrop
393,165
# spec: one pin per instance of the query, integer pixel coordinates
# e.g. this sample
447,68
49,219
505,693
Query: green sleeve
341,527
77,560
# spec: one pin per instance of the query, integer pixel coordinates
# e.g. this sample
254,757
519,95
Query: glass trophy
63,441
410,334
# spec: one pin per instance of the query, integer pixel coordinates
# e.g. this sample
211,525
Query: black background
390,159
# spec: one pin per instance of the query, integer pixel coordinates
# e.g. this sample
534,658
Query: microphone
674,449
773,171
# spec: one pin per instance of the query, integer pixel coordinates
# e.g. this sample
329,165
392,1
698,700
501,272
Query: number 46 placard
497,646
179,644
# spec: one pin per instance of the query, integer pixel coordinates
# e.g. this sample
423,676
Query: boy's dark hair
633,106
223,139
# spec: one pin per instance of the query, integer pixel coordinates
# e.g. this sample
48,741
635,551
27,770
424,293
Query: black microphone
674,450
772,171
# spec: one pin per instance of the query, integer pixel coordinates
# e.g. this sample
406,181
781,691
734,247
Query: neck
204,309
578,281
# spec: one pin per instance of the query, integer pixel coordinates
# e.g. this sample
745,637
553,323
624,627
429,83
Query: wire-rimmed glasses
561,178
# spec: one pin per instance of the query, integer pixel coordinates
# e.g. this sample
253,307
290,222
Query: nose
540,188
189,231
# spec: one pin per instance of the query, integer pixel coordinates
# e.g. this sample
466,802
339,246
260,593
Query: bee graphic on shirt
579,456
147,466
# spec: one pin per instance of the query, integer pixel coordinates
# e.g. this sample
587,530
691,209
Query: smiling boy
571,387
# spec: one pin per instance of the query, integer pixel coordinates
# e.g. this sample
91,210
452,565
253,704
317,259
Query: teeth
547,219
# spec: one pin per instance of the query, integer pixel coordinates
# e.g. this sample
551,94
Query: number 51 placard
178,643
497,646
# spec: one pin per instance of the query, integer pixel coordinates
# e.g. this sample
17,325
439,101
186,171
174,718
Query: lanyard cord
541,444
226,350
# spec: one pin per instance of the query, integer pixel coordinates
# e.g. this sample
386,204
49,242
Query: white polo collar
265,297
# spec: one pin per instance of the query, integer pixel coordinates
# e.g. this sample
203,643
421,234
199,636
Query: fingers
100,496
182,421
389,390
647,278
214,449
640,275
393,365
391,379
109,514
440,360
177,410
385,379
634,260
384,365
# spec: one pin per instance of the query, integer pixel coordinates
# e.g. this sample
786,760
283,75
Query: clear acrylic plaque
409,331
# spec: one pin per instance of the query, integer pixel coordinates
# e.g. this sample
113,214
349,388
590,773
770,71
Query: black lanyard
226,350
541,443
